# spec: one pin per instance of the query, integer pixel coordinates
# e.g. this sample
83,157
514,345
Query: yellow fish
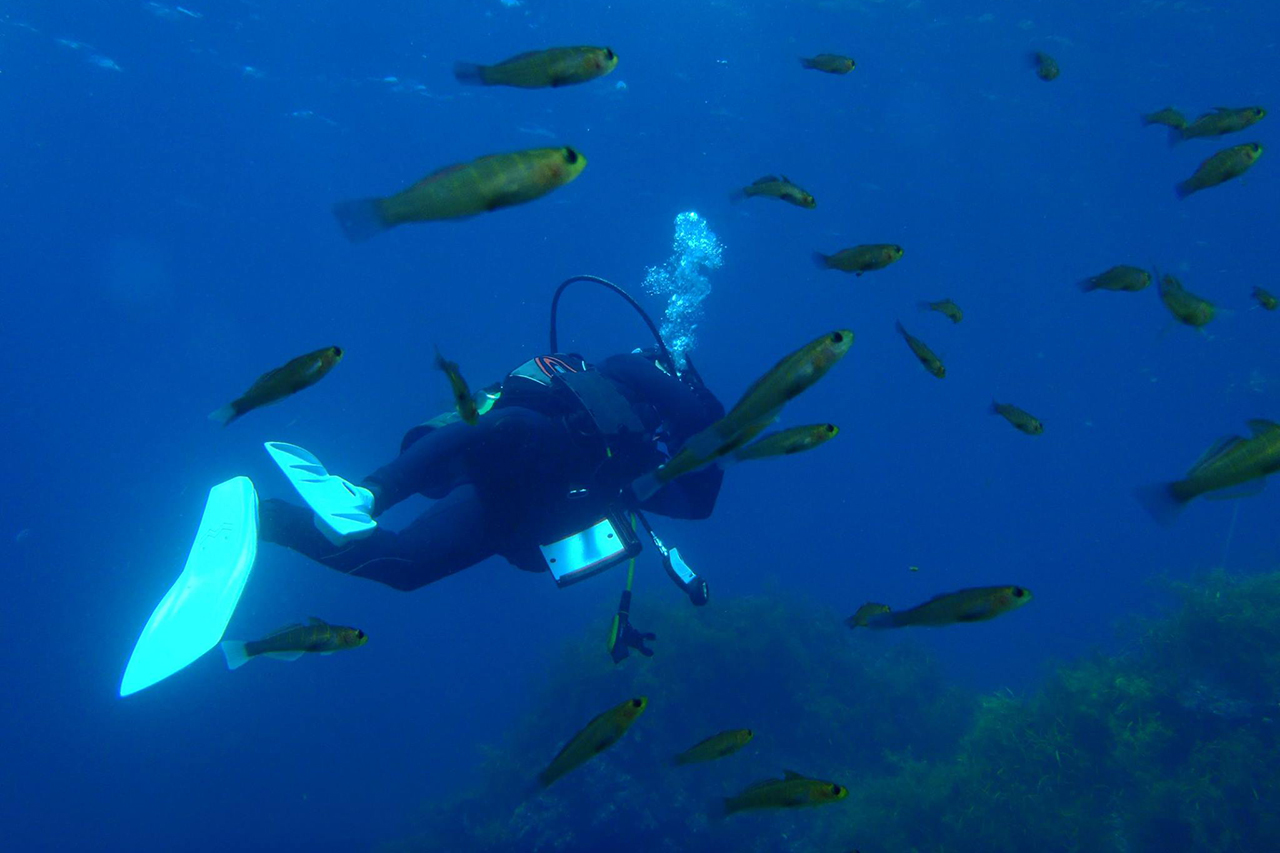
1183,304
786,442
1220,122
1045,65
967,605
1120,277
931,362
1221,167
274,385
293,641
464,189
772,186
1265,299
1017,417
859,259
716,746
461,393
540,69
1232,461
831,63
789,792
946,308
600,734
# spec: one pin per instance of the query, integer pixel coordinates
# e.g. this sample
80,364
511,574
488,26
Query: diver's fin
293,654
234,651
191,617
361,219
343,511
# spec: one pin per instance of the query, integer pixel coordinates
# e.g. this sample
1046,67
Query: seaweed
1172,744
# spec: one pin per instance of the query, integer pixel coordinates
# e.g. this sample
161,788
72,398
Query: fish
1221,167
759,406
787,441
773,186
931,362
1046,66
1168,116
1020,419
1183,304
600,734
946,308
716,746
1230,462
1120,277
1265,299
541,69
791,791
976,604
1220,122
464,189
831,63
860,259
462,398
293,641
274,385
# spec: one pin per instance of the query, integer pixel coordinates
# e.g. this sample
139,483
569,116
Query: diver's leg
454,533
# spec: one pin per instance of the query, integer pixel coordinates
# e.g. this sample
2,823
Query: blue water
166,237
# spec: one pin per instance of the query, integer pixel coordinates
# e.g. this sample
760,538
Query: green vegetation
1172,745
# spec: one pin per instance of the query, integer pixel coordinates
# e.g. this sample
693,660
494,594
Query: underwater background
168,173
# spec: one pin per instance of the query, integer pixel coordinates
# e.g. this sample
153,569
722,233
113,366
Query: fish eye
837,338
637,703
831,427
359,635
1256,147
608,53
570,156
1018,592
836,789
337,351
750,733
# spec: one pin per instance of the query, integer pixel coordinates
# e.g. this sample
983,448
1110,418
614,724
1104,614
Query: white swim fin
191,617
342,510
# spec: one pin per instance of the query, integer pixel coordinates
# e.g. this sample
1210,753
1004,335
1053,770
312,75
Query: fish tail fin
995,407
806,62
226,414
469,74
1087,284
1163,501
235,652
924,306
902,330
1175,135
1184,189
646,486
822,261
737,196
361,219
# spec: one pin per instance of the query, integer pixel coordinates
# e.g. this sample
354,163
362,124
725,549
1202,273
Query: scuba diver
541,479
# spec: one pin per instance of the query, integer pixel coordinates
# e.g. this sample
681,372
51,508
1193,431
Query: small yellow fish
1232,461
754,412
859,259
600,734
967,605
788,441
464,189
539,69
1017,417
274,385
1221,167
1168,116
946,308
1045,65
773,186
1118,278
831,63
461,393
1220,122
293,641
716,746
789,792
1183,304
1265,299
931,362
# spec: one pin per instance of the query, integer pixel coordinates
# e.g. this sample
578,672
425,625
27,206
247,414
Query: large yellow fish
789,792
539,69
1221,167
786,442
859,259
293,641
1232,461
464,189
716,746
599,734
756,410
274,385
967,605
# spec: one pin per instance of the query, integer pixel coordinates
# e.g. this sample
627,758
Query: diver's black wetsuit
503,486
